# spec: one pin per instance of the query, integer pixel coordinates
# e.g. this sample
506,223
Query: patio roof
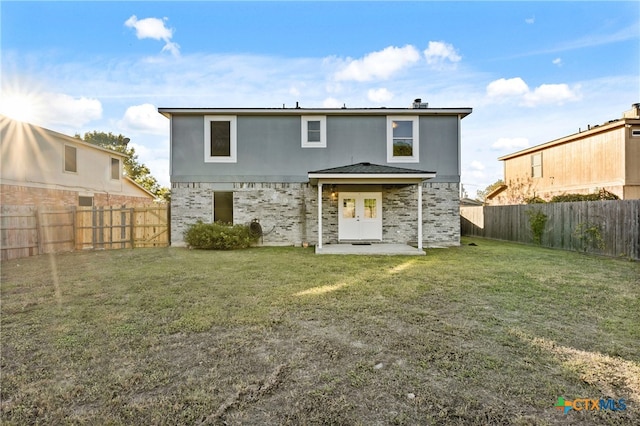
369,173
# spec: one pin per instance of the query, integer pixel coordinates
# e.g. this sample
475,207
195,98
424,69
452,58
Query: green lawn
485,334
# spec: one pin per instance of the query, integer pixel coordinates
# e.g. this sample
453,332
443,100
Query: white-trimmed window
115,168
70,159
403,143
220,139
314,131
536,165
635,133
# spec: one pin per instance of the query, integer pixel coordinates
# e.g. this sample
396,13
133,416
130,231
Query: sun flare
20,107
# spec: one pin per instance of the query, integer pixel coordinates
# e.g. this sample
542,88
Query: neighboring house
469,202
43,167
319,175
604,156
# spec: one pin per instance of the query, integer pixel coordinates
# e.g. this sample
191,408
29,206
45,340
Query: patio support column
319,215
419,215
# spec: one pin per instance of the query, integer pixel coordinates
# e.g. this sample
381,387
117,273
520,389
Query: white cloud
144,118
381,95
154,28
510,144
67,110
476,165
157,159
379,65
294,91
531,20
332,103
557,61
503,87
552,94
441,55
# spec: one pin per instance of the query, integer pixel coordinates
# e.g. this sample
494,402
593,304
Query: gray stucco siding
439,147
269,148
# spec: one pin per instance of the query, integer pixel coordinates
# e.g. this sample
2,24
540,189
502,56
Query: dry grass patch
486,334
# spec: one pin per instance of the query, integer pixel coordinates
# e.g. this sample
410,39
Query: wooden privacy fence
610,228
27,231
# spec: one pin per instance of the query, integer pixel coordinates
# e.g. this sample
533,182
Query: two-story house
599,157
319,175
41,167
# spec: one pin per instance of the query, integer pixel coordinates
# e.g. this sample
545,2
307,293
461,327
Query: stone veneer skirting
288,212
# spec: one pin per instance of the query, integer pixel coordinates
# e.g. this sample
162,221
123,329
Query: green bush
534,200
537,222
601,195
218,236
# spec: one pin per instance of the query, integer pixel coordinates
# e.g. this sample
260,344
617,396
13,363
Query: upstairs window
635,133
314,132
402,140
536,165
115,169
220,140
70,159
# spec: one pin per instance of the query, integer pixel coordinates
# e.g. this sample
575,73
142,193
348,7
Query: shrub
218,236
534,200
537,221
601,195
588,236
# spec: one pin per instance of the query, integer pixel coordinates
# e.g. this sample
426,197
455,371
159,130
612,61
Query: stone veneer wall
441,214
288,212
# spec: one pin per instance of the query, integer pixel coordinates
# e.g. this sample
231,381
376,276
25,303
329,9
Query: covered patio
360,211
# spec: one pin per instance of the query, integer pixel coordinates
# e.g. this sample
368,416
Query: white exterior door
360,216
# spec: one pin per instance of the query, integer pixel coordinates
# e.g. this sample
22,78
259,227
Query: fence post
169,224
74,212
36,213
133,236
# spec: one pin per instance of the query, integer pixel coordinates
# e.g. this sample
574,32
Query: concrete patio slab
371,249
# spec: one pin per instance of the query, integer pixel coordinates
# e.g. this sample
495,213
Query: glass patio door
360,216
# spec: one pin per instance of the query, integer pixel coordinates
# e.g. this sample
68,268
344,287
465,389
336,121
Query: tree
482,194
135,170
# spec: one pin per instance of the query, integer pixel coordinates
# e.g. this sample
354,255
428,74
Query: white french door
360,216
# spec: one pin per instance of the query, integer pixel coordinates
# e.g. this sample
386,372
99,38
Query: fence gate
121,227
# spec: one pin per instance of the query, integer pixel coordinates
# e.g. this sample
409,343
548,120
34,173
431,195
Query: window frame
85,197
535,167
75,160
213,205
304,124
415,147
635,133
233,139
111,168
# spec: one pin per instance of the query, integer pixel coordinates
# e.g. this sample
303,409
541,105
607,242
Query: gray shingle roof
370,169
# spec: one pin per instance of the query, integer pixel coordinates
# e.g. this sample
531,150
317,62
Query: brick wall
14,195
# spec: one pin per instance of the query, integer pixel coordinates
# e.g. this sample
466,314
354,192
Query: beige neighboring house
605,156
41,167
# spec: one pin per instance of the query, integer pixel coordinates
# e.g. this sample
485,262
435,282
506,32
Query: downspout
419,215
319,216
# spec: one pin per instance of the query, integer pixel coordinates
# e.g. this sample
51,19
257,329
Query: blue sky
531,71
